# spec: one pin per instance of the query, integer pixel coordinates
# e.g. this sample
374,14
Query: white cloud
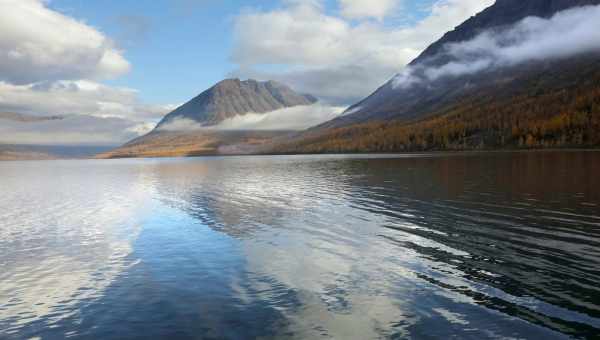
181,125
71,130
96,114
140,129
78,97
50,64
291,118
357,9
332,57
39,44
567,33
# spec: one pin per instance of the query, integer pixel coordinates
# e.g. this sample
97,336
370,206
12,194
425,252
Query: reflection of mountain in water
239,196
518,238
476,246
512,240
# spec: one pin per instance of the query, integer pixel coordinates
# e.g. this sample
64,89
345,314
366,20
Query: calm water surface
479,246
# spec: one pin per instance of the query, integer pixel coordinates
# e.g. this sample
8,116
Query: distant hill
22,153
233,97
532,104
194,143
10,152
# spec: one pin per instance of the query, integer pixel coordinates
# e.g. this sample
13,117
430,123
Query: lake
472,246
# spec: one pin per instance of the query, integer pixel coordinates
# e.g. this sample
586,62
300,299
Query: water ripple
355,247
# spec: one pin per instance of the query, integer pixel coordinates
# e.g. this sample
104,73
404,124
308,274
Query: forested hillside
557,106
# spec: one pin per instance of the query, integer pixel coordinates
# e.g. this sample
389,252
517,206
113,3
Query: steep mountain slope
503,12
232,97
555,106
368,125
387,102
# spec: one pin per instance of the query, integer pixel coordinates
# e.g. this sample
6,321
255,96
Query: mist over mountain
512,53
495,23
517,75
233,97
502,13
231,117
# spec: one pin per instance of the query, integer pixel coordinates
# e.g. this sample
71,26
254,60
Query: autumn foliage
536,116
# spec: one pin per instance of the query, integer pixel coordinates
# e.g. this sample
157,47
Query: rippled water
498,246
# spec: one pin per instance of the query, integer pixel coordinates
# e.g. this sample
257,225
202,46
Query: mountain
520,74
502,13
536,102
387,102
227,99
207,142
232,97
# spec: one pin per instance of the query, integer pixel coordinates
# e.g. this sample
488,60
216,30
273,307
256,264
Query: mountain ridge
365,125
503,12
226,99
385,100
232,97
537,103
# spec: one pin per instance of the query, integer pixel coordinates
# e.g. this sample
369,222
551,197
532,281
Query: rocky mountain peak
232,97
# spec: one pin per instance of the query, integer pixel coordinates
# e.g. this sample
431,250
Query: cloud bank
77,97
71,130
359,9
566,34
343,58
51,64
292,118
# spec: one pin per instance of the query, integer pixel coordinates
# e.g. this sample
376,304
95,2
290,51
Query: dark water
486,246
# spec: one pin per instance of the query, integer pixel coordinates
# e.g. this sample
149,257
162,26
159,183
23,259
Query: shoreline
412,153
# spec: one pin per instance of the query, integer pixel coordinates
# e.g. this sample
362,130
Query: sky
115,67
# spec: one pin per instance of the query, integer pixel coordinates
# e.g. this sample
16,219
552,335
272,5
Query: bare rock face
232,97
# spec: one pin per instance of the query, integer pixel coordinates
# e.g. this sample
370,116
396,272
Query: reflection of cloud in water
315,226
317,260
328,275
305,247
66,250
239,196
